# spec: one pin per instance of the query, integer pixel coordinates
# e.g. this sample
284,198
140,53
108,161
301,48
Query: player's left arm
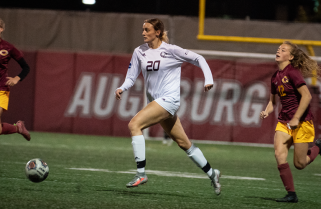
195,59
24,72
304,103
206,71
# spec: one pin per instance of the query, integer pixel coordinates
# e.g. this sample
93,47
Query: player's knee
132,126
279,155
300,164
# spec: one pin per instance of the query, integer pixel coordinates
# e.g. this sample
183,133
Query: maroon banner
75,93
55,82
90,101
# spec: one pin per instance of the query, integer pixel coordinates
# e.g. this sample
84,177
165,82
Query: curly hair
158,25
307,66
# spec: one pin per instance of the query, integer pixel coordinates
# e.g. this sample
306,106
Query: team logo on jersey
285,79
130,65
165,54
186,52
4,52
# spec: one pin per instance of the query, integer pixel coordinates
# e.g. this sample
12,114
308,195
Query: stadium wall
121,33
73,92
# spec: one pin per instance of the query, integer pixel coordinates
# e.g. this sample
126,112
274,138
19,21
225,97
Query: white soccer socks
196,155
138,143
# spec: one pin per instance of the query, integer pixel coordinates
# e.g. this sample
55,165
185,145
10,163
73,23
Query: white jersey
161,69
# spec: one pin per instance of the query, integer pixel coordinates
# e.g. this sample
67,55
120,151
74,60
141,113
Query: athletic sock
313,153
138,143
291,193
286,176
196,155
8,128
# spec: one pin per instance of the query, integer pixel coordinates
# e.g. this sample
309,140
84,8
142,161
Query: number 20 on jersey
153,66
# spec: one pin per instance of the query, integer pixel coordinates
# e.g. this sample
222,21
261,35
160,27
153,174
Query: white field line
221,142
317,174
169,173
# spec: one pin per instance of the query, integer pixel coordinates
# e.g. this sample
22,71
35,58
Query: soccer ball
37,170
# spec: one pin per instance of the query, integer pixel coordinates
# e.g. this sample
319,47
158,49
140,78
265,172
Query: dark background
283,10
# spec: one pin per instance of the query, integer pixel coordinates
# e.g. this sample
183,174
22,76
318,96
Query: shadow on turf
138,193
28,189
262,198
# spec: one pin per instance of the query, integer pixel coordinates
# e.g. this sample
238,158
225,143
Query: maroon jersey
285,83
7,51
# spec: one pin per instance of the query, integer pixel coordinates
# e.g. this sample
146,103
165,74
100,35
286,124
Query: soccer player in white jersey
160,64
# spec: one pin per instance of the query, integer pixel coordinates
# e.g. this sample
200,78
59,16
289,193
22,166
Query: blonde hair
158,25
302,61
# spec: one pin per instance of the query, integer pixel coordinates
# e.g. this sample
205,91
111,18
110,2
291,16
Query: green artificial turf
70,188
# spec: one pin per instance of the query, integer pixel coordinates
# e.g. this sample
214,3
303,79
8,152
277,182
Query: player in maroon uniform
295,124
8,51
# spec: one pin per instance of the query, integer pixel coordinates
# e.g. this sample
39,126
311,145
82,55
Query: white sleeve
195,59
133,72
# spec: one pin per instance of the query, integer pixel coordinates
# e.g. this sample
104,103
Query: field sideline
91,172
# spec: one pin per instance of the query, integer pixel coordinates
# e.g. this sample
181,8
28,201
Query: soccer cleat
288,198
318,143
215,181
139,179
22,130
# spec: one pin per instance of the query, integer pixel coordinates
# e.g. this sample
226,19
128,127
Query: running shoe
215,181
288,198
22,130
139,179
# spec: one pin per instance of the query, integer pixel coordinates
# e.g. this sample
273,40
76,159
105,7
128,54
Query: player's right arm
132,74
269,107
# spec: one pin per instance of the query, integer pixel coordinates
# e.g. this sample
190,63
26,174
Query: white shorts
168,104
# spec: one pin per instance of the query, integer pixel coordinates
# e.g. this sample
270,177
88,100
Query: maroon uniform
7,51
285,83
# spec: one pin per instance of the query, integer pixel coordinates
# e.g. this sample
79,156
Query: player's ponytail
158,25
303,62
164,37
